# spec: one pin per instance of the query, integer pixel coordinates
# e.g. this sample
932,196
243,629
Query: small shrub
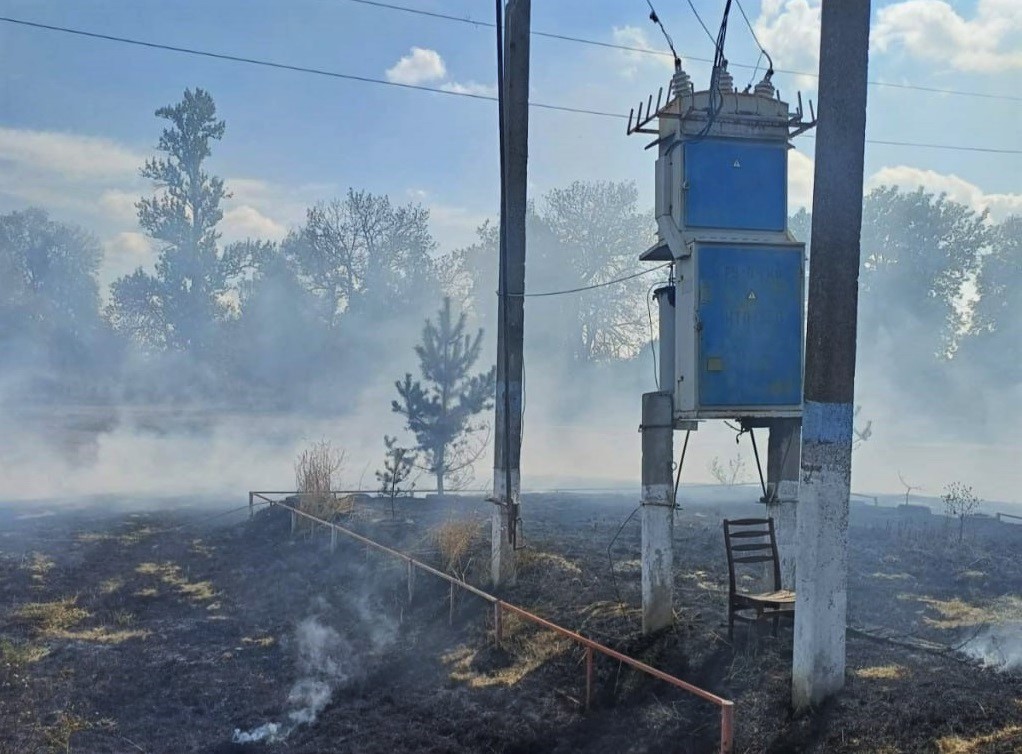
733,474
456,541
959,500
317,472
317,467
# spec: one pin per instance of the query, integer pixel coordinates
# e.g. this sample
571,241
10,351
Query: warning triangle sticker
751,296
737,164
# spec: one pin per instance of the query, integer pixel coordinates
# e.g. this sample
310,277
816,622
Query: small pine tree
440,408
397,467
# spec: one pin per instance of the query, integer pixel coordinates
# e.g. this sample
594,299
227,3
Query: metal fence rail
500,607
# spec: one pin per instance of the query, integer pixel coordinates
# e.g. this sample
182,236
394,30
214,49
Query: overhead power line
416,87
663,53
594,286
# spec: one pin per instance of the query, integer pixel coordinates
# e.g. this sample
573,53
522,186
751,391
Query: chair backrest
756,543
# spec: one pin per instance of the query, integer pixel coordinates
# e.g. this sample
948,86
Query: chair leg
731,626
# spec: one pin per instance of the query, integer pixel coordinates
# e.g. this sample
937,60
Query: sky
76,114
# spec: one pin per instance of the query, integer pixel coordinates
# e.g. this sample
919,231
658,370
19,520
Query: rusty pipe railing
727,707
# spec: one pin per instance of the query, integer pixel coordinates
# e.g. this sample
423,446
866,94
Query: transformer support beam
657,512
782,490
821,572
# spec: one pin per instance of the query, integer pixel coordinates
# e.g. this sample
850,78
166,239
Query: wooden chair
756,544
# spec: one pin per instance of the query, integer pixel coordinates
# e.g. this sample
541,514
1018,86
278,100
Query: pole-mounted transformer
722,220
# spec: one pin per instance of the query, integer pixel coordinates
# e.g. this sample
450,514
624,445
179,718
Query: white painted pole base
503,566
657,555
821,571
657,567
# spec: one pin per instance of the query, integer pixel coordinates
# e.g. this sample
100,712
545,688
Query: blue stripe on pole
827,422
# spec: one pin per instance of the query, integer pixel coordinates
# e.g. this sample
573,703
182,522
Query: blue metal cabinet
734,184
749,325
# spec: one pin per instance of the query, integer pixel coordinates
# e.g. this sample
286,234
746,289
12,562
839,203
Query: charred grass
151,634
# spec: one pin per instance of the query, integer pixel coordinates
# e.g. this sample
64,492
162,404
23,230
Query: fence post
589,675
333,539
294,522
498,623
450,617
411,581
727,727
251,507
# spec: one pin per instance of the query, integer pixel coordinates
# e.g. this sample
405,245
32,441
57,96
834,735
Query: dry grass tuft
39,565
57,736
170,574
325,506
102,635
20,654
456,539
882,672
530,648
893,576
263,642
532,561
956,613
1011,734
49,618
111,585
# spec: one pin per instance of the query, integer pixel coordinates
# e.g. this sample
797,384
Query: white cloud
125,252
957,189
71,155
422,66
470,87
634,36
453,226
990,42
120,205
418,67
790,31
800,180
245,221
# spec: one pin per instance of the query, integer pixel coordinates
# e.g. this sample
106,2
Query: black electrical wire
593,286
719,64
648,51
486,97
562,37
762,49
700,20
610,556
670,42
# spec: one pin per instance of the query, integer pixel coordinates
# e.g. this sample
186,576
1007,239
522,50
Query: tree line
317,316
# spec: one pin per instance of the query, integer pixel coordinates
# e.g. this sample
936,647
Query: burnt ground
168,630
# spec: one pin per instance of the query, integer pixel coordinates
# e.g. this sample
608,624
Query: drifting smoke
327,662
998,646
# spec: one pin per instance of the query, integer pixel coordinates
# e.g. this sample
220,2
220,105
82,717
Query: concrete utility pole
511,304
818,664
657,511
782,491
